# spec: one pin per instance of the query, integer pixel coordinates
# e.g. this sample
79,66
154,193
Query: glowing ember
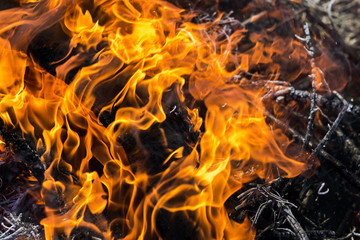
133,60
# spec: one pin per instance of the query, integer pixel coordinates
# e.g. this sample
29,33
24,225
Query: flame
137,52
2,146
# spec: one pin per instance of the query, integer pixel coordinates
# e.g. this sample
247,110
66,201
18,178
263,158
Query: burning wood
143,119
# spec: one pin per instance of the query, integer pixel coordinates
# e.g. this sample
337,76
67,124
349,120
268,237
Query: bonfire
152,119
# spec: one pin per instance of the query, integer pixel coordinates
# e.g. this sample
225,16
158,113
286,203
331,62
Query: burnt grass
326,196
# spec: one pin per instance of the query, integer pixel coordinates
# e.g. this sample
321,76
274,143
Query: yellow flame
141,49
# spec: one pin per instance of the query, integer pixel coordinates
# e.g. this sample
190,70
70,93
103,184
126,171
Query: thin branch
327,136
268,198
313,107
352,178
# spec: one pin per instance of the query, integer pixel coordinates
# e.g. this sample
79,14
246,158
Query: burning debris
137,119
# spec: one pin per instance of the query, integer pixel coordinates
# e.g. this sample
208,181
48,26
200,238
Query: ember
144,119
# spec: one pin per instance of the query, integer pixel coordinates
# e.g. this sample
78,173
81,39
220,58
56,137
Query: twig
313,107
328,102
347,236
16,228
327,136
351,177
263,193
350,148
299,231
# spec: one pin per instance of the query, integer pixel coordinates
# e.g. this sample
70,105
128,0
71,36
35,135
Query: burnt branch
326,138
15,228
313,107
352,178
269,198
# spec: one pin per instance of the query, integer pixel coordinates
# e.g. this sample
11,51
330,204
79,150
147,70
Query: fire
138,54
2,146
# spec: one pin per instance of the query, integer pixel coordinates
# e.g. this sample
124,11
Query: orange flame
139,51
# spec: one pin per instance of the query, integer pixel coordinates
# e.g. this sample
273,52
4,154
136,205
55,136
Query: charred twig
330,102
350,149
268,198
313,107
260,233
299,231
351,177
350,235
311,118
14,227
316,234
282,233
321,234
327,136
